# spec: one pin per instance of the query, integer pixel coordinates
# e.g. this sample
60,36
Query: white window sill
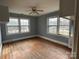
58,35
18,33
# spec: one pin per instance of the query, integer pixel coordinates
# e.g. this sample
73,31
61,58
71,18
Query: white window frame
19,26
28,25
58,27
48,26
7,27
68,30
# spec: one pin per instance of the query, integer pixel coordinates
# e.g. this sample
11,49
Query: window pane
13,29
52,29
13,21
24,22
53,21
24,25
64,21
64,26
24,29
13,26
52,25
64,30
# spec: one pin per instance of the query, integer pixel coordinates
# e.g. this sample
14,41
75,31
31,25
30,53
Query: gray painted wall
38,27
3,31
42,28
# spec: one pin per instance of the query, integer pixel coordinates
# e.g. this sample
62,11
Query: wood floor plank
35,48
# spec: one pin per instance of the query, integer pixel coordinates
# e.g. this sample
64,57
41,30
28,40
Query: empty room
39,29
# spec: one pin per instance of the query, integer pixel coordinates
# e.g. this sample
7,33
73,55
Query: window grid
64,27
60,29
52,24
14,27
24,25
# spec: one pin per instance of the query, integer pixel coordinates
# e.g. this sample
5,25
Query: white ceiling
20,6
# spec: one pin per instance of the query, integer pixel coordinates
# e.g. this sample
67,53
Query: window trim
7,27
48,26
28,25
18,26
58,27
64,25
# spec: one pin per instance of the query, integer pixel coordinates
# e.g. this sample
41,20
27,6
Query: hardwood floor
35,48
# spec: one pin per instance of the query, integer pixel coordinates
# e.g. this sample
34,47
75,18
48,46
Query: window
16,25
60,26
64,26
24,25
52,25
13,26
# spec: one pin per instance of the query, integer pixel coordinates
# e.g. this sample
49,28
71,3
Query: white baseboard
11,40
62,43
